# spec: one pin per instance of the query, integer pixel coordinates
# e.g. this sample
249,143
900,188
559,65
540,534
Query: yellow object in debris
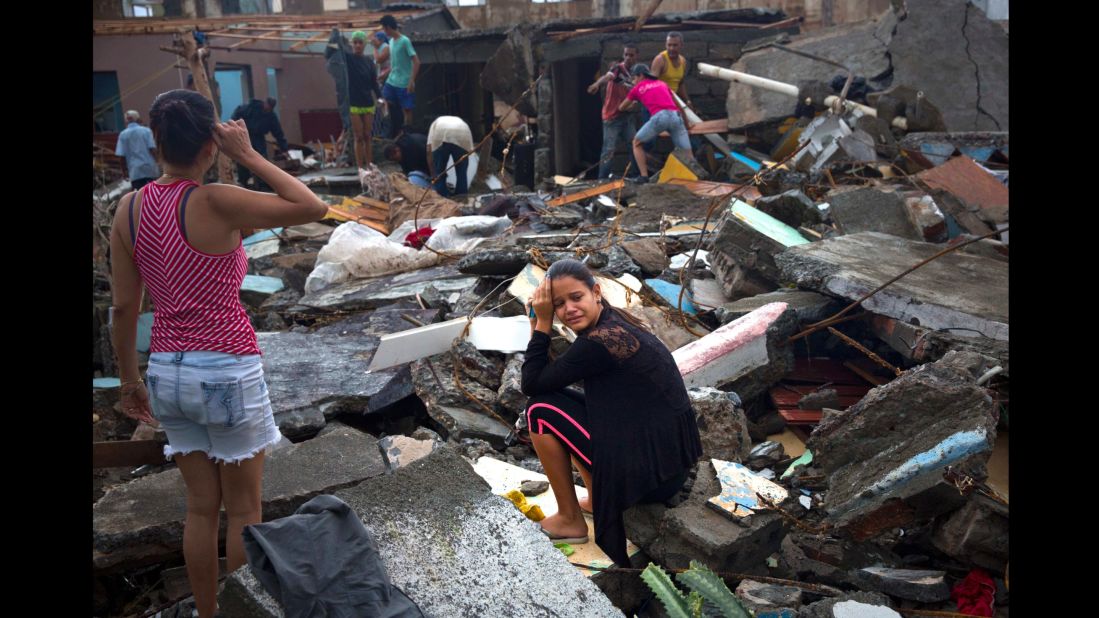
532,511
674,168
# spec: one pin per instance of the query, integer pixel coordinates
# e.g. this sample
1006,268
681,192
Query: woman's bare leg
585,503
241,486
200,528
569,520
639,156
359,132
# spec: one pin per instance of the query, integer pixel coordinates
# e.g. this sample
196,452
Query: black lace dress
642,426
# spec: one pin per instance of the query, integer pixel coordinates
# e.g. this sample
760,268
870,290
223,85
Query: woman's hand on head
232,138
542,301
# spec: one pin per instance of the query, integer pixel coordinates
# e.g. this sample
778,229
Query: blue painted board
670,293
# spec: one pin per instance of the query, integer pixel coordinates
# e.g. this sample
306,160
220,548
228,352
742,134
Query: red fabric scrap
975,594
417,239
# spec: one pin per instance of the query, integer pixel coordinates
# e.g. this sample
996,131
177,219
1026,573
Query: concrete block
793,208
745,353
376,292
448,405
889,451
872,210
926,216
722,426
911,584
955,291
399,451
769,599
312,377
694,531
958,57
975,534
750,238
809,307
649,254
126,537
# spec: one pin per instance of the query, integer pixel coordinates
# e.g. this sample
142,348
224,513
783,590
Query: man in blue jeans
400,87
617,125
449,137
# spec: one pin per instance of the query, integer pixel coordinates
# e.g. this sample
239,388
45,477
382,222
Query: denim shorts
402,96
665,120
212,402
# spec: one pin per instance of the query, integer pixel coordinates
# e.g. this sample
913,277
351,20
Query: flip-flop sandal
573,540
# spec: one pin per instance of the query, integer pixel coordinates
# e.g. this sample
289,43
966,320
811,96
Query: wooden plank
710,188
820,370
320,38
801,417
586,193
865,373
785,400
128,453
843,390
649,10
343,215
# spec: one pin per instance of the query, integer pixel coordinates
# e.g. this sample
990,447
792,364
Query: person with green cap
362,79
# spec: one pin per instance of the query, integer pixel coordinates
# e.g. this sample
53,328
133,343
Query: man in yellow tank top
670,66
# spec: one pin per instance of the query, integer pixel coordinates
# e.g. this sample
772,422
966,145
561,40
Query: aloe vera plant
705,585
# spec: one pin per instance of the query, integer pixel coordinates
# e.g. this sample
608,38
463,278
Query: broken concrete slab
854,605
399,451
494,261
765,454
509,397
748,240
722,425
923,345
694,531
458,550
792,207
889,451
813,557
861,46
745,354
870,209
938,147
458,414
380,291
653,200
707,293
809,307
964,293
975,534
672,334
312,377
380,322
764,599
471,362
649,255
958,57
911,584
125,536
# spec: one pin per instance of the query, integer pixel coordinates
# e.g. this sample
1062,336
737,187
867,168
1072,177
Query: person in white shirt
448,136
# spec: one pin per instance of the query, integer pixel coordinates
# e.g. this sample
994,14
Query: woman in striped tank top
181,240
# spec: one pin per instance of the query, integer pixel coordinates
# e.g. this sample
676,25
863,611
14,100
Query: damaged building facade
830,275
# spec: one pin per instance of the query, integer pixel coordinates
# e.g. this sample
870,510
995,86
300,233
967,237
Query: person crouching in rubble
665,115
181,240
632,434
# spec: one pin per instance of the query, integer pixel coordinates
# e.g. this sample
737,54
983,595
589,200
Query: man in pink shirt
665,115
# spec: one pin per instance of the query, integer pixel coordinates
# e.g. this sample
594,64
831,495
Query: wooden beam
320,38
184,45
128,453
649,10
586,193
277,34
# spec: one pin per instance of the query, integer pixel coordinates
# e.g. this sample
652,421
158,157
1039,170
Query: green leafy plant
705,585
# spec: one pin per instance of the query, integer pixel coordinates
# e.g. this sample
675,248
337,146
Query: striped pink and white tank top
196,295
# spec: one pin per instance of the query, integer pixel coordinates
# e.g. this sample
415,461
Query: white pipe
730,75
709,70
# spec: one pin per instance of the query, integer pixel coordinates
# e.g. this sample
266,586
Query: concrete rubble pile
854,425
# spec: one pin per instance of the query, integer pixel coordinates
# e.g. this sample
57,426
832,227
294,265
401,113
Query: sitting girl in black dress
631,434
